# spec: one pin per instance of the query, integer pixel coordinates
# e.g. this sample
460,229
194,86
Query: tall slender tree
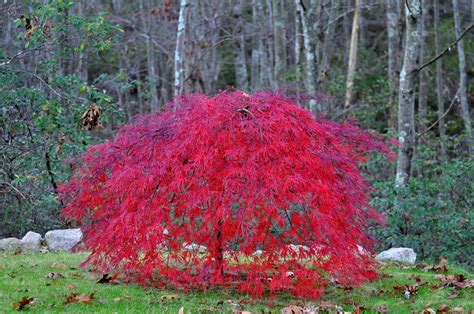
439,81
466,116
179,51
150,56
406,96
394,48
240,58
352,55
309,52
279,36
423,82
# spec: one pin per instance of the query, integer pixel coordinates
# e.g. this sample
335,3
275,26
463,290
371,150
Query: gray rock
399,254
10,244
31,242
298,248
195,247
63,240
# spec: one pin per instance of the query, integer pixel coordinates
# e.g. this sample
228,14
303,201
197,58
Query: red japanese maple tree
234,174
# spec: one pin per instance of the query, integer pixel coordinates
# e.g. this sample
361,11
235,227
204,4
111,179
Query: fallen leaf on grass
76,275
441,267
292,309
21,304
444,308
381,309
170,297
54,276
126,297
359,309
453,294
457,281
61,265
83,298
107,279
71,287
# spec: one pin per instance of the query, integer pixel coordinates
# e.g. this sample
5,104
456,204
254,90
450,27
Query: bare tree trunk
310,64
422,87
240,62
256,52
179,51
297,39
439,81
466,116
352,56
406,96
328,40
150,56
394,35
279,39
472,11
82,56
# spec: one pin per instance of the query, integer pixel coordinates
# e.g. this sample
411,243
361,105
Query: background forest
72,71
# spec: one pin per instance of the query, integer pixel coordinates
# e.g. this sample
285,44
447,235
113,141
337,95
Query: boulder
298,248
63,240
399,254
10,244
195,247
31,242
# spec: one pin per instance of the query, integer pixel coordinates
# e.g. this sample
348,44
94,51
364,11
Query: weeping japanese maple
185,198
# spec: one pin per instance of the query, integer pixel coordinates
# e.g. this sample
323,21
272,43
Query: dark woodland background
71,72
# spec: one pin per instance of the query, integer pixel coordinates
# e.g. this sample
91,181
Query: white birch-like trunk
179,51
352,56
466,116
393,32
240,59
310,64
439,81
279,35
406,95
423,82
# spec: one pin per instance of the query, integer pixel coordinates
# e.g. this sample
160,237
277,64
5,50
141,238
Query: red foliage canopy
235,173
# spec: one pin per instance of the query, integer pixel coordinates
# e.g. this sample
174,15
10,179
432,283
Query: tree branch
444,115
448,49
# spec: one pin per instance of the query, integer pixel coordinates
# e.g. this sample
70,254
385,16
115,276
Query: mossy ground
26,275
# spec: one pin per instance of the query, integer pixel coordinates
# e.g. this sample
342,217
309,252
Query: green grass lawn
26,275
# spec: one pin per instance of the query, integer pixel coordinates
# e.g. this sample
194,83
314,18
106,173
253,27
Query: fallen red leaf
21,305
83,298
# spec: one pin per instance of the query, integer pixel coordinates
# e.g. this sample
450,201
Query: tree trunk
352,55
406,96
279,39
328,40
240,62
466,116
179,51
310,63
394,48
256,52
439,81
423,83
150,56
